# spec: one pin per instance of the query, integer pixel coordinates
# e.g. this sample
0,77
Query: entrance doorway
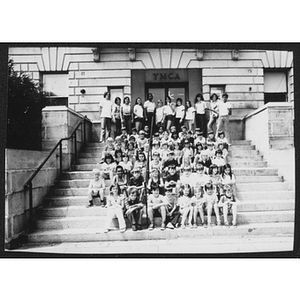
162,90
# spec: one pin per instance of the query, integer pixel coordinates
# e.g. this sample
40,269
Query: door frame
167,85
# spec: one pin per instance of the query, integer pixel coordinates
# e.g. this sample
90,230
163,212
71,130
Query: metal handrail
28,184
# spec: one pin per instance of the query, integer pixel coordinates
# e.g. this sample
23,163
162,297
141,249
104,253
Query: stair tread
100,230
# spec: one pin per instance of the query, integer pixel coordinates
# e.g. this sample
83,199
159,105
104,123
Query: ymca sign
166,75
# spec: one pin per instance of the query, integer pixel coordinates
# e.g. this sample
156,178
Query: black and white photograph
150,148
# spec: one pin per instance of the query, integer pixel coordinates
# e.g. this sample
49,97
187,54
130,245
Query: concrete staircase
267,206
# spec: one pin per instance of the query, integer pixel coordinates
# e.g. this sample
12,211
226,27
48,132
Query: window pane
275,82
56,84
116,93
175,93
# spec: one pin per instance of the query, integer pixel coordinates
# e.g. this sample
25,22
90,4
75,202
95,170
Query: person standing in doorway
116,118
200,113
224,113
190,116
169,113
105,112
179,114
149,110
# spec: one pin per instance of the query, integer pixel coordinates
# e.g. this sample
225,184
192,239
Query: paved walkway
205,245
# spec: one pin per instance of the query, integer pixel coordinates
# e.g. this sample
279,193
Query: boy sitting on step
96,188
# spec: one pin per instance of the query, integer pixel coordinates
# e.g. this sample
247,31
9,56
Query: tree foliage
25,103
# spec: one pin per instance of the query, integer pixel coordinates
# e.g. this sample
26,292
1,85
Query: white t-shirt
190,114
126,109
224,108
149,106
179,110
200,107
138,111
168,110
159,114
107,108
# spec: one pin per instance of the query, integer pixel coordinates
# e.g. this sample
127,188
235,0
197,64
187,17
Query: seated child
211,201
228,204
120,179
156,180
141,163
115,204
205,161
108,167
141,140
219,160
185,207
197,204
222,139
96,188
134,208
172,209
126,165
155,162
172,180
156,203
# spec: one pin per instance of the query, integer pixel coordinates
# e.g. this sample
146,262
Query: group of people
115,115
171,170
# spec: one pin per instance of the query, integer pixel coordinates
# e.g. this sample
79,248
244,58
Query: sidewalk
181,245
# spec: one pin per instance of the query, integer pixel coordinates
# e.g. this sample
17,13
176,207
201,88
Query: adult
190,115
169,113
138,114
214,111
200,107
179,114
126,114
105,112
149,107
159,114
224,113
116,118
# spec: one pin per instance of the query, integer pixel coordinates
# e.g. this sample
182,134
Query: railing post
60,158
75,144
84,129
30,205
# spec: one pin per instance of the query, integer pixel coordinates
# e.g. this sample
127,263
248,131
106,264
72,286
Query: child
161,131
224,151
96,188
109,148
172,209
156,148
177,153
214,177
165,138
137,180
198,203
172,179
156,180
222,139
210,150
155,162
211,200
199,138
124,136
131,152
147,131
156,138
141,163
228,204
115,205
134,133
108,167
186,162
134,209
228,178
157,203
126,165
171,161
164,151
197,153
190,115
121,180
187,150
205,161
183,131
118,155
201,177
185,207
187,176
211,138
219,160
141,140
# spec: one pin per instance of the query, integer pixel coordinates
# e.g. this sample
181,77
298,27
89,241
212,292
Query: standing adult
169,113
200,114
116,117
190,115
105,112
179,114
214,111
138,114
224,113
126,114
149,107
159,114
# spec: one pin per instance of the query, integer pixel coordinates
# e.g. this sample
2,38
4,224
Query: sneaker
139,227
163,227
195,226
226,224
170,225
209,224
151,227
204,225
90,204
134,228
219,224
105,230
183,226
191,226
234,225
177,225
122,230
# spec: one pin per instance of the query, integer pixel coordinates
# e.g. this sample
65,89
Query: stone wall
58,122
271,129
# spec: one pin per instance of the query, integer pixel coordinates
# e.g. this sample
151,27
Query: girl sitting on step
228,178
115,204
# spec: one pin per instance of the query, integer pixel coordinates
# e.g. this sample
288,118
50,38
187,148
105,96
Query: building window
217,89
275,86
116,92
55,86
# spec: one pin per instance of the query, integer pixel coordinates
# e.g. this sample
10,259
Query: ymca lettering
166,76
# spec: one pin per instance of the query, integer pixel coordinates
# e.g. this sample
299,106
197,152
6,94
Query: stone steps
75,210
265,195
254,179
262,186
97,234
248,164
254,172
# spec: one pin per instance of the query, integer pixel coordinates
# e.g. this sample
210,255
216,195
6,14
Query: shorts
169,118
